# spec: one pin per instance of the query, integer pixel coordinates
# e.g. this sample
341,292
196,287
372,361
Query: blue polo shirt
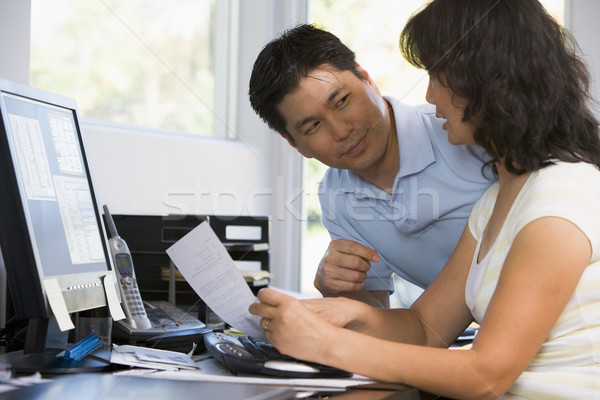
416,228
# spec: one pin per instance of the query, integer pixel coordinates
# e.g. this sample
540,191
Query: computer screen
50,225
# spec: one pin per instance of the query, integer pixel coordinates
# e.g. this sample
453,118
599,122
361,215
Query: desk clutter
160,283
183,355
145,357
246,239
171,315
175,310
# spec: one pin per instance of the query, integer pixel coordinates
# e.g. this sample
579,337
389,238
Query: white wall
14,39
14,53
582,21
156,173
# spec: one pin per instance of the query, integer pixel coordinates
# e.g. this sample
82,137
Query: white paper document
144,357
208,268
57,304
114,305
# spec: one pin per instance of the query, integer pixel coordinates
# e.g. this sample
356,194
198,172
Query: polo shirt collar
414,144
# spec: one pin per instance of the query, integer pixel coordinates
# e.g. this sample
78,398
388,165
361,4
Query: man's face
338,119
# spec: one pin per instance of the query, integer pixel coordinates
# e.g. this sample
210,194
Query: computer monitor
50,224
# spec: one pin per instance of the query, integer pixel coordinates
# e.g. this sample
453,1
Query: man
397,194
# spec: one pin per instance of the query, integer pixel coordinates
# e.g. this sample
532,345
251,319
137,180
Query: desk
114,387
118,387
148,385
211,377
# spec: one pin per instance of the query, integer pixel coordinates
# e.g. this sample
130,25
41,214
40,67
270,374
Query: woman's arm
538,278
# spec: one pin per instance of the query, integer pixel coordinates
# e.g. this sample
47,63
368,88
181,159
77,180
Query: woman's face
450,107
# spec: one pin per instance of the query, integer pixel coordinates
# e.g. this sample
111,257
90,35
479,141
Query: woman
527,268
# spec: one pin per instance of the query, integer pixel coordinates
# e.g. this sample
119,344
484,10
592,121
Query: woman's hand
341,311
292,327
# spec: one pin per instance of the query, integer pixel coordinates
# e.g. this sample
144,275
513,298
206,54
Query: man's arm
377,298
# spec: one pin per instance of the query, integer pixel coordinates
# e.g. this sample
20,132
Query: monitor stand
37,357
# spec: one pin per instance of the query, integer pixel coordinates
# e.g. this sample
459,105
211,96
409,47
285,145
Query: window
143,62
371,29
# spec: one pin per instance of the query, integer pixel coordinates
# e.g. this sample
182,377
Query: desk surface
212,381
108,387
117,387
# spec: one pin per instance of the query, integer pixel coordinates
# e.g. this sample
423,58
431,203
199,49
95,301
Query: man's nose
341,129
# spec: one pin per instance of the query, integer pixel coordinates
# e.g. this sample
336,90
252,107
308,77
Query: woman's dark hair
283,62
527,90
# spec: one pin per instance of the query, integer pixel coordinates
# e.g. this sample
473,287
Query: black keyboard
252,355
261,350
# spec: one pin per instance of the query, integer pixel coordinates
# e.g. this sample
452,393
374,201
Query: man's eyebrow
298,125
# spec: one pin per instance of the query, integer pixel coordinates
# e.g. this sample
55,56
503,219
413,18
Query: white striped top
568,363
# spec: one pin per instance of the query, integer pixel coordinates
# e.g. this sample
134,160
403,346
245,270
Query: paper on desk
144,357
208,268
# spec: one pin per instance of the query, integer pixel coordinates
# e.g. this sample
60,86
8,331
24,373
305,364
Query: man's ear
293,144
364,73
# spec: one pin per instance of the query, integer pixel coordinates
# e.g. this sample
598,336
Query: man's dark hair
284,61
526,88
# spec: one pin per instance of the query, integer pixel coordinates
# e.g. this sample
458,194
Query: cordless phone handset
130,294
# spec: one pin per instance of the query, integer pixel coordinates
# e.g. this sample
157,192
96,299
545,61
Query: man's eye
312,128
343,100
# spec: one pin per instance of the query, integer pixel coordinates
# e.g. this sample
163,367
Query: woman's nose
429,93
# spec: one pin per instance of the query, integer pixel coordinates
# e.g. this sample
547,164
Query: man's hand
344,267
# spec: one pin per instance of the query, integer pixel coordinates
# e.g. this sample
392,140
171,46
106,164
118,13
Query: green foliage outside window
143,62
